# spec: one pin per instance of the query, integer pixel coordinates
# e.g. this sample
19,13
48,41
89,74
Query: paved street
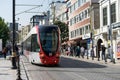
71,68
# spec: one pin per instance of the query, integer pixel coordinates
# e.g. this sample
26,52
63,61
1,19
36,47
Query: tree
64,30
4,31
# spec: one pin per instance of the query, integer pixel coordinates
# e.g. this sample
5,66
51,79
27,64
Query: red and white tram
42,45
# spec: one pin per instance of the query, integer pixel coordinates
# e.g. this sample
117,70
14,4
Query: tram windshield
49,40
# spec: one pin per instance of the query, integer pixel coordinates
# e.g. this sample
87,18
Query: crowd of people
81,51
7,50
74,51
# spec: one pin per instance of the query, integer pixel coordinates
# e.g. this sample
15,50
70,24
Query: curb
94,61
25,69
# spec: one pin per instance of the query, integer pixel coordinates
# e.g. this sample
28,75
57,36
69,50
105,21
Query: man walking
103,52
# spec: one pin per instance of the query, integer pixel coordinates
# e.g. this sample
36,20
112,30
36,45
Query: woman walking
4,52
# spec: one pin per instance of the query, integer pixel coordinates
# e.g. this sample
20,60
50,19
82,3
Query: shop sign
118,50
86,36
116,25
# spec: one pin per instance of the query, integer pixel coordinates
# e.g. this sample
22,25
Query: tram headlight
42,56
57,55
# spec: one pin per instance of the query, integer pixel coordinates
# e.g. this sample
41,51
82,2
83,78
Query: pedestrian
71,50
68,53
103,52
92,53
16,50
9,50
82,51
4,52
110,52
78,51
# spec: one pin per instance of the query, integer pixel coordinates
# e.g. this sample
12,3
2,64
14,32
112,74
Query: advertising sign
118,49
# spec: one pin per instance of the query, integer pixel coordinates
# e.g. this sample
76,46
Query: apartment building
83,21
58,11
24,31
109,32
61,13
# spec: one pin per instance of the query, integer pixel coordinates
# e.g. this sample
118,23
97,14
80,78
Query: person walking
110,52
4,52
71,50
103,52
82,51
78,51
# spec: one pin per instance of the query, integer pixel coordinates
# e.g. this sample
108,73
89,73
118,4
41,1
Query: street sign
115,25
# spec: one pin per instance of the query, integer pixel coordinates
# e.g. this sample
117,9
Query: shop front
118,47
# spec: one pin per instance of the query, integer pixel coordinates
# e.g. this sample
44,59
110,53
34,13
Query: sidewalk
6,73
117,62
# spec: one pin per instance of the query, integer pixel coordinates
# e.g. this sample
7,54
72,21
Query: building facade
83,21
57,11
109,31
40,19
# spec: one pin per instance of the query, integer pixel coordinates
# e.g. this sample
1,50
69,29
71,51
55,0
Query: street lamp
14,51
110,34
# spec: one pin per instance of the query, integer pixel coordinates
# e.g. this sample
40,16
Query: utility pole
13,44
14,53
110,33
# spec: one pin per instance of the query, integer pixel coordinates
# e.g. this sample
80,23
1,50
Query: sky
23,18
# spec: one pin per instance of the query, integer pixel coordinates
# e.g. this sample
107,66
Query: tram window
34,45
28,44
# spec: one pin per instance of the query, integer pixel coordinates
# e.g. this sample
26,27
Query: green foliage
4,31
64,30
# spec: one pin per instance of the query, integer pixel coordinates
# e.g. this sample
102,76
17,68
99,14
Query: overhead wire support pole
14,53
13,25
13,43
110,33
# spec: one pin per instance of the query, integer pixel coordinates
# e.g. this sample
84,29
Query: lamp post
110,34
13,53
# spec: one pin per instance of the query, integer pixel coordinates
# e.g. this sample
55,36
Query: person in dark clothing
103,52
17,50
78,51
4,52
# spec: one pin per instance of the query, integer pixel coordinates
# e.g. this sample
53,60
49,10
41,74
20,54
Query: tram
42,45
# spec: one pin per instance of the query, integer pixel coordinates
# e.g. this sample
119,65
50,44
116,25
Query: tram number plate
50,54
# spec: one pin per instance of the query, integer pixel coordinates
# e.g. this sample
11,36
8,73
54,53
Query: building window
72,34
113,13
74,19
80,31
70,22
77,18
77,32
76,5
83,31
83,15
104,16
70,9
86,13
86,29
80,17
